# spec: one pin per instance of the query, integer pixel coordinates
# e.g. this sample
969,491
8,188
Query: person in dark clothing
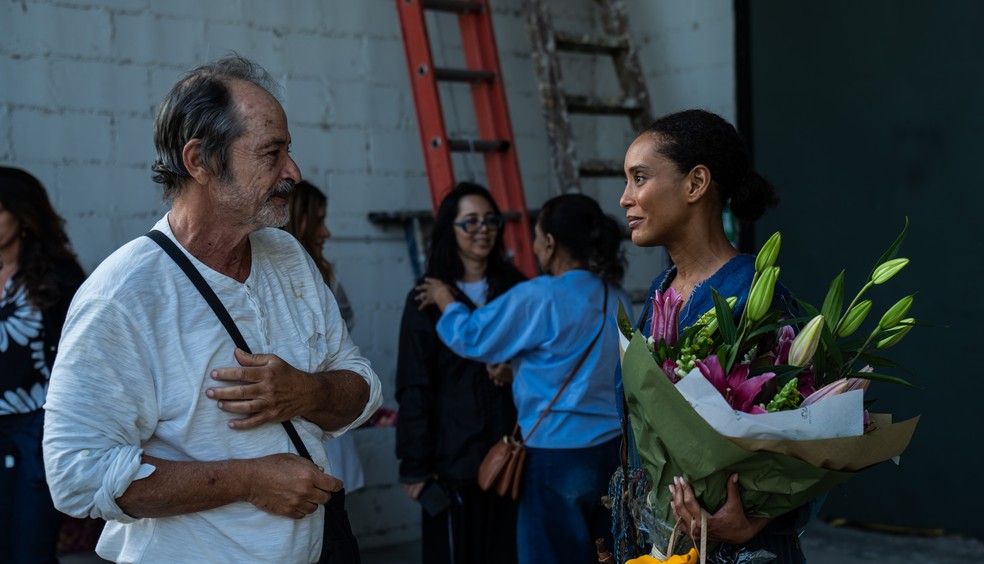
39,274
451,409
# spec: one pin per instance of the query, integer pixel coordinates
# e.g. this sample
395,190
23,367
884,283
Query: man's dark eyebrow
273,143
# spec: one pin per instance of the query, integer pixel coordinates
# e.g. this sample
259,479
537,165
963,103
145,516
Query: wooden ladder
495,141
558,105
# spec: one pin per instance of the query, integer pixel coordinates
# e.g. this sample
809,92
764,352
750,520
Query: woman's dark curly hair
589,236
44,243
693,137
444,262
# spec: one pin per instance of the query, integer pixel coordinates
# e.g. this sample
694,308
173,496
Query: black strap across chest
221,312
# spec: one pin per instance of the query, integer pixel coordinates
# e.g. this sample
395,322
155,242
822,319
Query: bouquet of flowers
775,396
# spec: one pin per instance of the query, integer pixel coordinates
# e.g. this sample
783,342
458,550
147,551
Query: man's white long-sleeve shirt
138,346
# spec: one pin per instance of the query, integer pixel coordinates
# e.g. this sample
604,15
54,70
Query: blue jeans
29,522
560,510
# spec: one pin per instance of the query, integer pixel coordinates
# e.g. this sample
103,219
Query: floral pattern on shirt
20,321
25,375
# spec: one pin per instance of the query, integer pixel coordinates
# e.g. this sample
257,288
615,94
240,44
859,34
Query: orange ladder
491,113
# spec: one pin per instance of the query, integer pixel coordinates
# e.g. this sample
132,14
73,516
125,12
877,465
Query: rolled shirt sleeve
98,411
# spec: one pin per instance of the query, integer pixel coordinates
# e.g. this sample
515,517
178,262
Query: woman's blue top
544,326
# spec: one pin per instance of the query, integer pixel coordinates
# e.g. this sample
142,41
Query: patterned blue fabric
22,339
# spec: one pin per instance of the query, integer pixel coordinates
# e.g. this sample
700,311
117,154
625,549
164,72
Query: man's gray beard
271,215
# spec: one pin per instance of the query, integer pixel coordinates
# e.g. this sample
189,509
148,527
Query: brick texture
80,80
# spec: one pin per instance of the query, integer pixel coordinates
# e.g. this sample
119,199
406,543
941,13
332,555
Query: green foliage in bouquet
775,476
753,360
769,359
838,352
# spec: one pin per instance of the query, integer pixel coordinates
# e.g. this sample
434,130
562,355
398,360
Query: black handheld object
434,498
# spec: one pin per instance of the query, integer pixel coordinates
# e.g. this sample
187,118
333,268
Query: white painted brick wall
147,38
79,82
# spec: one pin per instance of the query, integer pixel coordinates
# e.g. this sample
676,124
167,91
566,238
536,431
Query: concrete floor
822,543
396,554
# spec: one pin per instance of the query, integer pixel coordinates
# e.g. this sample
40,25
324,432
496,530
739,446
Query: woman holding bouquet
554,329
451,410
681,174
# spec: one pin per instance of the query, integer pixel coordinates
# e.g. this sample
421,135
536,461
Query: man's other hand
288,485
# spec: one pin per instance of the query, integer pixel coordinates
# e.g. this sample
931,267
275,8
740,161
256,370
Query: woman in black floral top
38,277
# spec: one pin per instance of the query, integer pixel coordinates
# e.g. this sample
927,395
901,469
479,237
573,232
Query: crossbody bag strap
604,314
221,312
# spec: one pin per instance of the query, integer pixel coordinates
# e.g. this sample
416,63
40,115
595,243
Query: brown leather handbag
502,467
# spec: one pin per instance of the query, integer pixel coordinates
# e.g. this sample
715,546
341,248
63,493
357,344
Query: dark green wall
864,113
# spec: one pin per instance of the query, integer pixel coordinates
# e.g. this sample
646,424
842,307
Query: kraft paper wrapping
775,476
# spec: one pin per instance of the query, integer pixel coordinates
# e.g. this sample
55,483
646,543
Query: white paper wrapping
837,416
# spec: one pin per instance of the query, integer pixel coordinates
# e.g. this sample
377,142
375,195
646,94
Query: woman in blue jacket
544,327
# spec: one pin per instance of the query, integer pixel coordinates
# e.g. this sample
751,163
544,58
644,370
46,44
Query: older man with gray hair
155,420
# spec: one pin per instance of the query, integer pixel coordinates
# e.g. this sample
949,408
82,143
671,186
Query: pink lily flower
806,380
669,367
868,425
737,388
666,313
838,387
785,342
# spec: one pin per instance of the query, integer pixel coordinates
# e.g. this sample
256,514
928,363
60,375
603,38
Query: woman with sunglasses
452,409
559,332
